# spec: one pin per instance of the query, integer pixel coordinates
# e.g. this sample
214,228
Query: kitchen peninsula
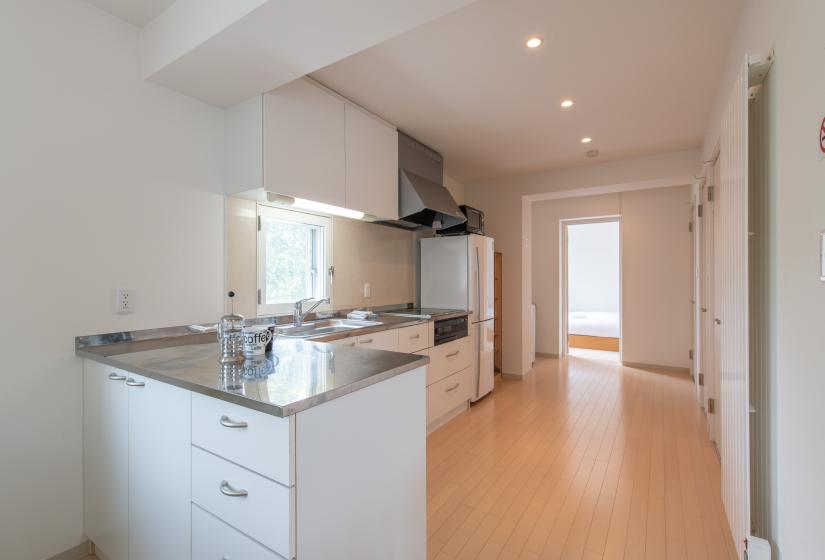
314,451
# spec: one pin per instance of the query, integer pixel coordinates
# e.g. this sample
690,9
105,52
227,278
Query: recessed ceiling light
586,140
533,42
567,103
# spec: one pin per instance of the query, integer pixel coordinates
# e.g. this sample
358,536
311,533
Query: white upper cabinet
304,143
372,165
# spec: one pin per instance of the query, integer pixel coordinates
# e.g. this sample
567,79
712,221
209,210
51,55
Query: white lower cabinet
256,506
137,469
212,539
106,459
448,394
159,470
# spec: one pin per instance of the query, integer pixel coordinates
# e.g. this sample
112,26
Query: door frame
564,349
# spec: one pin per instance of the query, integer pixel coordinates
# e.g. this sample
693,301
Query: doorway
591,288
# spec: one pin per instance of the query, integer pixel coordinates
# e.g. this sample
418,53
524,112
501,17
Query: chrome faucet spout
299,315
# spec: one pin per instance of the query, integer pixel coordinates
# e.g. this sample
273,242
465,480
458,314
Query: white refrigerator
457,273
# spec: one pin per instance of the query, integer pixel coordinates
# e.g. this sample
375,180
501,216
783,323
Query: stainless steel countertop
297,375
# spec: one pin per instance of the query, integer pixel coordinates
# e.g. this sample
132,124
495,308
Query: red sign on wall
822,136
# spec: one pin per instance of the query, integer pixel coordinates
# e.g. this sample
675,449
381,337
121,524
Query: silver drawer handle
453,388
453,355
115,377
229,423
413,337
227,490
366,341
132,383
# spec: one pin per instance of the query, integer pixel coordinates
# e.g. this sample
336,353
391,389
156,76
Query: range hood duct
423,201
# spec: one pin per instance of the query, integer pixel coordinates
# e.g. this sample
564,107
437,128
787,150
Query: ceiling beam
224,52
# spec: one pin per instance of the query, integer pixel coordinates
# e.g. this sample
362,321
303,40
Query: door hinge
701,379
690,227
710,192
690,354
259,223
711,406
259,296
699,210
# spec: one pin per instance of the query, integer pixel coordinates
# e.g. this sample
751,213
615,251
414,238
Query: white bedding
593,323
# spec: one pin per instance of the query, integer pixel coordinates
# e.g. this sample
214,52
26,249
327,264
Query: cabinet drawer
447,359
448,393
351,341
414,338
382,340
212,539
263,445
264,513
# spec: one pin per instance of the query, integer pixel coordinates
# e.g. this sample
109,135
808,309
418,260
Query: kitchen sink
324,327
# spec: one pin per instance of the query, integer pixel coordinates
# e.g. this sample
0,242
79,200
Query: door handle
227,490
229,423
718,321
453,388
116,377
132,383
366,341
454,354
415,336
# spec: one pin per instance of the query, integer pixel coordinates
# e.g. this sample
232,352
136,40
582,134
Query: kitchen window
294,258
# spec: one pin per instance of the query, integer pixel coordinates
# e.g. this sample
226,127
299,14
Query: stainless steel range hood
423,201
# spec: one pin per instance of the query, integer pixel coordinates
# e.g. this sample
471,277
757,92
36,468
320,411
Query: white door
712,366
159,470
106,459
483,357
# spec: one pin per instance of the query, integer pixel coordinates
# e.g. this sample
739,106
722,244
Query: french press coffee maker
230,335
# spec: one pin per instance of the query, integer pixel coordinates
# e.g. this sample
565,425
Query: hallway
582,459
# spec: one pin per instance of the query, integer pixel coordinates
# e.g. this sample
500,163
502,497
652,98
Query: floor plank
583,458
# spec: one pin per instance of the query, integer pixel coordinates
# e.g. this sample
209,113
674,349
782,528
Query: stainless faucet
299,315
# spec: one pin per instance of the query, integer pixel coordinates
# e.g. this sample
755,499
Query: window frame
265,212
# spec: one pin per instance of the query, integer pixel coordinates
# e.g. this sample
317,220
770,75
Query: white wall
797,300
107,181
592,267
501,199
655,268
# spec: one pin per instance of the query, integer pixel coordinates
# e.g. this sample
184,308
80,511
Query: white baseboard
656,367
78,552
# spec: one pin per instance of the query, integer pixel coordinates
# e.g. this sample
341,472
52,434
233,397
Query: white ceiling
136,12
642,73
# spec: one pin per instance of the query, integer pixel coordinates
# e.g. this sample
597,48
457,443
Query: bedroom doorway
591,288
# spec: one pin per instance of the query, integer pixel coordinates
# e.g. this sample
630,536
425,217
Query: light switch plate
822,255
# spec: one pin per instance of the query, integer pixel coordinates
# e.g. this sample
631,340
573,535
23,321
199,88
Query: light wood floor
581,459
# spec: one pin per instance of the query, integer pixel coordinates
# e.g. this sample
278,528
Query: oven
447,330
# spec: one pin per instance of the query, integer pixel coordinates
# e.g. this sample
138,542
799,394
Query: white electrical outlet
124,300
367,290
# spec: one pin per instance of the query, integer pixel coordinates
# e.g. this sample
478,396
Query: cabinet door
304,137
105,459
372,165
383,340
159,470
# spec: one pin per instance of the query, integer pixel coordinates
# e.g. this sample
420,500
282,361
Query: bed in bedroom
597,330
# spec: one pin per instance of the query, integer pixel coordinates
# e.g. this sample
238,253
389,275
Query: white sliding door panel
732,309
